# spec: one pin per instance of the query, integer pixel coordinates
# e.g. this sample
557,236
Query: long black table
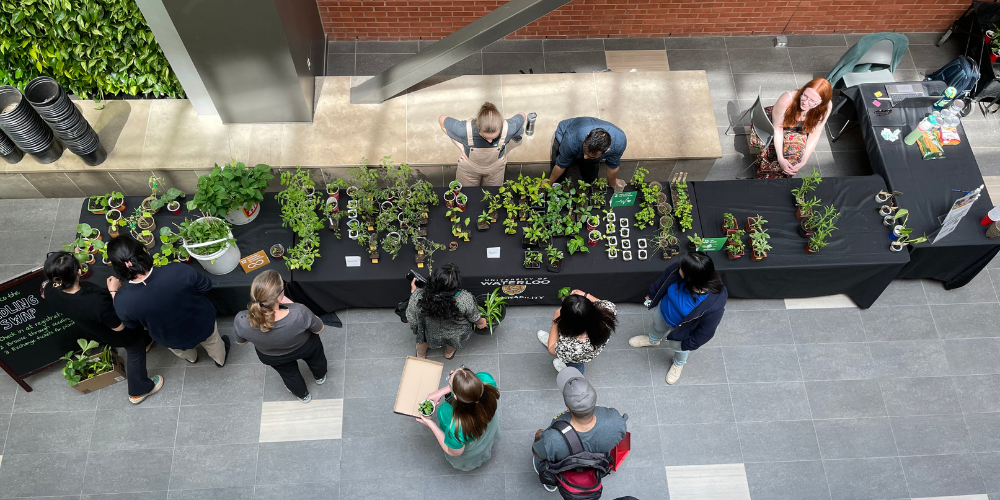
230,292
857,260
333,285
929,190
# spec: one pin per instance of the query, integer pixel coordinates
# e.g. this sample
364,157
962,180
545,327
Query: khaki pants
213,345
473,175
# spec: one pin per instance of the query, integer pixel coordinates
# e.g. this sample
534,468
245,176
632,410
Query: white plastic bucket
225,260
242,215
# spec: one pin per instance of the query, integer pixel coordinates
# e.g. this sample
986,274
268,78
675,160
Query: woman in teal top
465,427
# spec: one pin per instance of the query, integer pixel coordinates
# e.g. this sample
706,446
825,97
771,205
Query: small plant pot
626,244
809,249
117,204
113,215
174,207
449,199
352,204
113,231
665,254
277,251
482,226
352,190
96,209
333,193
612,240
755,257
667,221
623,222
85,270
897,231
373,256
453,246
536,265
801,215
147,205
146,224
626,255
593,237
461,200
612,254
885,210
553,268
994,230
751,222
642,243
643,254
623,232
106,261
664,207
352,214
662,198
386,205
882,197
455,186
96,235
896,246
733,256
803,232
888,220
310,191
610,217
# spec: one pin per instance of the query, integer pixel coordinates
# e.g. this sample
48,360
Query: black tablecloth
230,292
928,192
333,286
857,260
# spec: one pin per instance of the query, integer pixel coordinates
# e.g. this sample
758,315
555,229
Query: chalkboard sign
33,336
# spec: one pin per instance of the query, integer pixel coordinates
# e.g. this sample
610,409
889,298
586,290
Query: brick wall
435,19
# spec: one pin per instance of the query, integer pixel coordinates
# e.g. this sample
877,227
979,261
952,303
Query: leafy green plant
391,244
82,366
172,194
493,307
426,407
554,255
299,211
734,244
532,259
564,292
696,241
203,231
759,242
682,211
230,188
576,244
91,47
809,184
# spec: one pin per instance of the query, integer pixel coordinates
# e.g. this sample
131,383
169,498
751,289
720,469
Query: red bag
620,451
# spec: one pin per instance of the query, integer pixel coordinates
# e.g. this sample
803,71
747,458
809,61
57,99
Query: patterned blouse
439,332
574,350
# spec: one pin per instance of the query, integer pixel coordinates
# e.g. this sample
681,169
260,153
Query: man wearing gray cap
599,428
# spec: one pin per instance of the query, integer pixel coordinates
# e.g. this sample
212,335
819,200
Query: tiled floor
797,400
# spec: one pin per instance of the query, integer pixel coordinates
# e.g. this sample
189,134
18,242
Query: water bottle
957,107
922,127
949,95
529,128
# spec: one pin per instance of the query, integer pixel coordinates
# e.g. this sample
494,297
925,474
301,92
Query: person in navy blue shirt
687,304
584,142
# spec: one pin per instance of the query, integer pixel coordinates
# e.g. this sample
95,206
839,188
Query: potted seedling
576,244
734,246
116,200
900,243
532,259
809,184
673,245
493,307
483,221
392,243
593,222
453,246
612,250
455,186
554,259
886,211
461,199
426,408
885,196
626,255
233,191
663,207
805,208
759,244
643,254
626,244
729,224
89,233
624,232
277,251
694,242
755,224
510,226
593,237
641,243
612,240
88,372
97,204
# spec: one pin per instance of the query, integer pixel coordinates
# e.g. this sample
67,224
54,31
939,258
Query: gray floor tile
299,462
989,467
22,215
240,493
4,425
770,86
984,431
214,385
845,399
805,59
125,471
531,409
397,488
778,441
817,41
865,479
755,304
646,447
575,62
407,456
850,361
160,357
988,158
908,359
898,323
771,401
373,64
380,47
700,444
115,397
920,396
47,474
855,438
134,429
940,475
511,454
634,44
525,485
575,45
973,356
205,467
310,491
372,377
826,325
778,363
980,289
931,435
614,369
211,424
20,247
528,371
978,393
378,340
637,402
59,432
274,387
694,404
340,64
932,58
695,42
334,47
479,486
8,271
787,481
755,60
633,481
519,333
629,325
730,167
60,237
967,320
374,417
704,366
513,63
747,328
374,315
514,46
142,495
710,60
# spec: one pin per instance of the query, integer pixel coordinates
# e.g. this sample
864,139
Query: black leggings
589,169
139,382
288,365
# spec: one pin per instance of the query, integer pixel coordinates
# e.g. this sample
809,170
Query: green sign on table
710,244
623,199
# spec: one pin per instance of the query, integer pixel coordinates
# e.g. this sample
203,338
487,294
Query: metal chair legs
744,115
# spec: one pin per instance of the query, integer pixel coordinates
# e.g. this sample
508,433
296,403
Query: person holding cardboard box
442,314
464,425
93,310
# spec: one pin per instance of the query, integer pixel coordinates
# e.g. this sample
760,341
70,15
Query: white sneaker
321,380
543,337
641,341
673,373
558,364
547,487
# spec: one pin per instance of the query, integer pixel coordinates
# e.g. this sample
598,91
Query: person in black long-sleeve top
169,301
93,310
689,301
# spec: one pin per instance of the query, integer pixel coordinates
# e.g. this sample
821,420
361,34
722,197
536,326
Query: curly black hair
438,300
597,141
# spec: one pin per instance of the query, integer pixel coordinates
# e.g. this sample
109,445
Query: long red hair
815,115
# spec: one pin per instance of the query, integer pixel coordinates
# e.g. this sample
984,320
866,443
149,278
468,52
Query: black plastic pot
481,300
25,128
55,107
8,150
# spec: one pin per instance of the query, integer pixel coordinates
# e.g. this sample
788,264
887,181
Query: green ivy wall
92,47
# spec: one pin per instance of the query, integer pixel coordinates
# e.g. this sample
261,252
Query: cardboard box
117,374
420,378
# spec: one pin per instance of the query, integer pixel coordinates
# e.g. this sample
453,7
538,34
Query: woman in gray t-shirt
282,332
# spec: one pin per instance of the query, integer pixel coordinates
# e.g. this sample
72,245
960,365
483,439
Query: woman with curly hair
580,329
442,314
798,125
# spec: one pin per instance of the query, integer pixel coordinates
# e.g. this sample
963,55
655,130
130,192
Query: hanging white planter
220,262
241,216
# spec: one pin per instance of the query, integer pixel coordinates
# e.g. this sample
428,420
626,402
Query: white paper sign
958,210
353,261
493,253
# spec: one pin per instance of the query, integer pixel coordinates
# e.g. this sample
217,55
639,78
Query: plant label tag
493,253
623,199
254,261
353,260
712,244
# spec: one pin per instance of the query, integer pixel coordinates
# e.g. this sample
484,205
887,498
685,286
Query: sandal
452,354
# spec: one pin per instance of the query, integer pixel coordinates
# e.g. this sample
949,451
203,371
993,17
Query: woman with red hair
798,121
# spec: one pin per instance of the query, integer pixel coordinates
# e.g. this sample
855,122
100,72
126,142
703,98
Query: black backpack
961,73
579,475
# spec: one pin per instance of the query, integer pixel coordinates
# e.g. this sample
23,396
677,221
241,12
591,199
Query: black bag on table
579,475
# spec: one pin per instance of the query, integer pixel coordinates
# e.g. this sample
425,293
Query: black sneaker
225,340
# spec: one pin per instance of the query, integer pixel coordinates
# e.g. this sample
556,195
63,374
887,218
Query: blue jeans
660,330
578,366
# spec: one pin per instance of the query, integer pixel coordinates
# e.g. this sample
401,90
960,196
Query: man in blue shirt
584,142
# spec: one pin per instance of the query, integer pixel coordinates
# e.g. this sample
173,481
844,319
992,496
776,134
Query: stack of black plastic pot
25,128
55,107
8,150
